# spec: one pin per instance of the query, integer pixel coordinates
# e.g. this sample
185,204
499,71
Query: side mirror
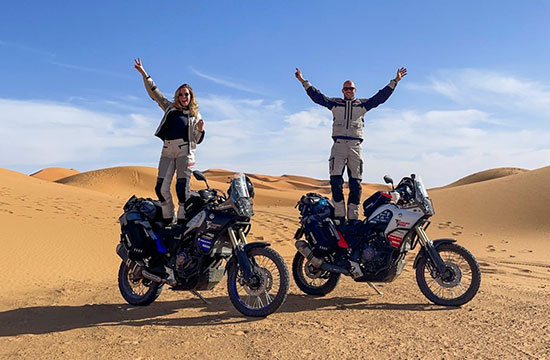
389,180
200,176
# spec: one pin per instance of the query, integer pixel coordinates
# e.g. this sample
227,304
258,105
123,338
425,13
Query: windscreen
421,196
238,187
240,197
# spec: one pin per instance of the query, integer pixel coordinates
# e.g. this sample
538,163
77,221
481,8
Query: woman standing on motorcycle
181,129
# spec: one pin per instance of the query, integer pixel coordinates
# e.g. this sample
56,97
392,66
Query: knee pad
181,189
354,191
337,184
158,189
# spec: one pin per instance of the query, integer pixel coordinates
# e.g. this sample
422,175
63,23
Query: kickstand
375,288
195,292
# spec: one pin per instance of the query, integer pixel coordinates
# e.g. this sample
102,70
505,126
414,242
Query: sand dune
54,173
118,181
53,232
307,180
487,175
60,297
482,213
505,209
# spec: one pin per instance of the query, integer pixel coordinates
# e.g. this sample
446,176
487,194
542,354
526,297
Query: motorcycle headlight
244,207
427,206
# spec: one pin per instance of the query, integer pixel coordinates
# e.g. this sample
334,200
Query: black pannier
322,234
136,230
317,212
376,200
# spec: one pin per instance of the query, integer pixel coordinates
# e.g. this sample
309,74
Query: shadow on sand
48,319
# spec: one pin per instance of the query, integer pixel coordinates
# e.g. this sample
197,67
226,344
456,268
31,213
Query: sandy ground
61,300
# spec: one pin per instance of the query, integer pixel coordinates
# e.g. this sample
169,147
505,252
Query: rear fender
422,253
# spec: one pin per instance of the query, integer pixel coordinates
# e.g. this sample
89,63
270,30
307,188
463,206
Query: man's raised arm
381,96
312,92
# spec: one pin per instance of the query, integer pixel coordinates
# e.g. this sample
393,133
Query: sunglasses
348,88
184,94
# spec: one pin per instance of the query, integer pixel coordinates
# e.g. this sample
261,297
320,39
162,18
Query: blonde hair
193,105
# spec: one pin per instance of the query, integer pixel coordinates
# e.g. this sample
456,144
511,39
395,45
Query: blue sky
477,95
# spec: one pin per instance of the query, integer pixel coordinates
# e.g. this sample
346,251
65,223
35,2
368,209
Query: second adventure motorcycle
374,250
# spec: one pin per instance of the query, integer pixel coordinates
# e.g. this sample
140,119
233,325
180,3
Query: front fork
432,253
238,240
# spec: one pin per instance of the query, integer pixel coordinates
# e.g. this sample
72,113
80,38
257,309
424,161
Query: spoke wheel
458,284
267,288
134,288
311,280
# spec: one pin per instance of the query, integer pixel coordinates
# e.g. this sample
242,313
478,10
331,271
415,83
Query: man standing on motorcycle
347,133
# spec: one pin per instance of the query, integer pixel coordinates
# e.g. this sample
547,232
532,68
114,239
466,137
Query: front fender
437,243
256,244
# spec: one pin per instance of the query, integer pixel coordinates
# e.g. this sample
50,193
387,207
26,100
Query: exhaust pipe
146,274
304,249
123,253
334,269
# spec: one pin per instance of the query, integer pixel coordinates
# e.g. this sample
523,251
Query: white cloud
447,145
490,90
39,134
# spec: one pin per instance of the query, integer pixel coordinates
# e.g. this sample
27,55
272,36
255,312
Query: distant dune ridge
118,181
54,173
487,175
125,181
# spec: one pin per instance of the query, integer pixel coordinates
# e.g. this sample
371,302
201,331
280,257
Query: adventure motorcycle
374,250
190,257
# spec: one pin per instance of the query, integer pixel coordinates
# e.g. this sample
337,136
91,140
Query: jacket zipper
347,114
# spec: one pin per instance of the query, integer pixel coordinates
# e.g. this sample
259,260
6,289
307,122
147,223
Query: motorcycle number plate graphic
396,238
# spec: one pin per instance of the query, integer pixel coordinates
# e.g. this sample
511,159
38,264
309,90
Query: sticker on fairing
196,221
396,238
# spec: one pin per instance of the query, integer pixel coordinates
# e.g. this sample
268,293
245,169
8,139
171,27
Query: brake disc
266,283
454,280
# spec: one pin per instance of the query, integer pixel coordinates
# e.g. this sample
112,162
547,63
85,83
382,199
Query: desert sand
61,300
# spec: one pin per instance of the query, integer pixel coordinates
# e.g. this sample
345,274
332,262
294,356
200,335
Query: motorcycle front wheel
266,290
460,282
134,288
311,280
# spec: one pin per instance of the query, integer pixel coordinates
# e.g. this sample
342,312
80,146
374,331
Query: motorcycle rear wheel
460,282
134,288
320,285
268,288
